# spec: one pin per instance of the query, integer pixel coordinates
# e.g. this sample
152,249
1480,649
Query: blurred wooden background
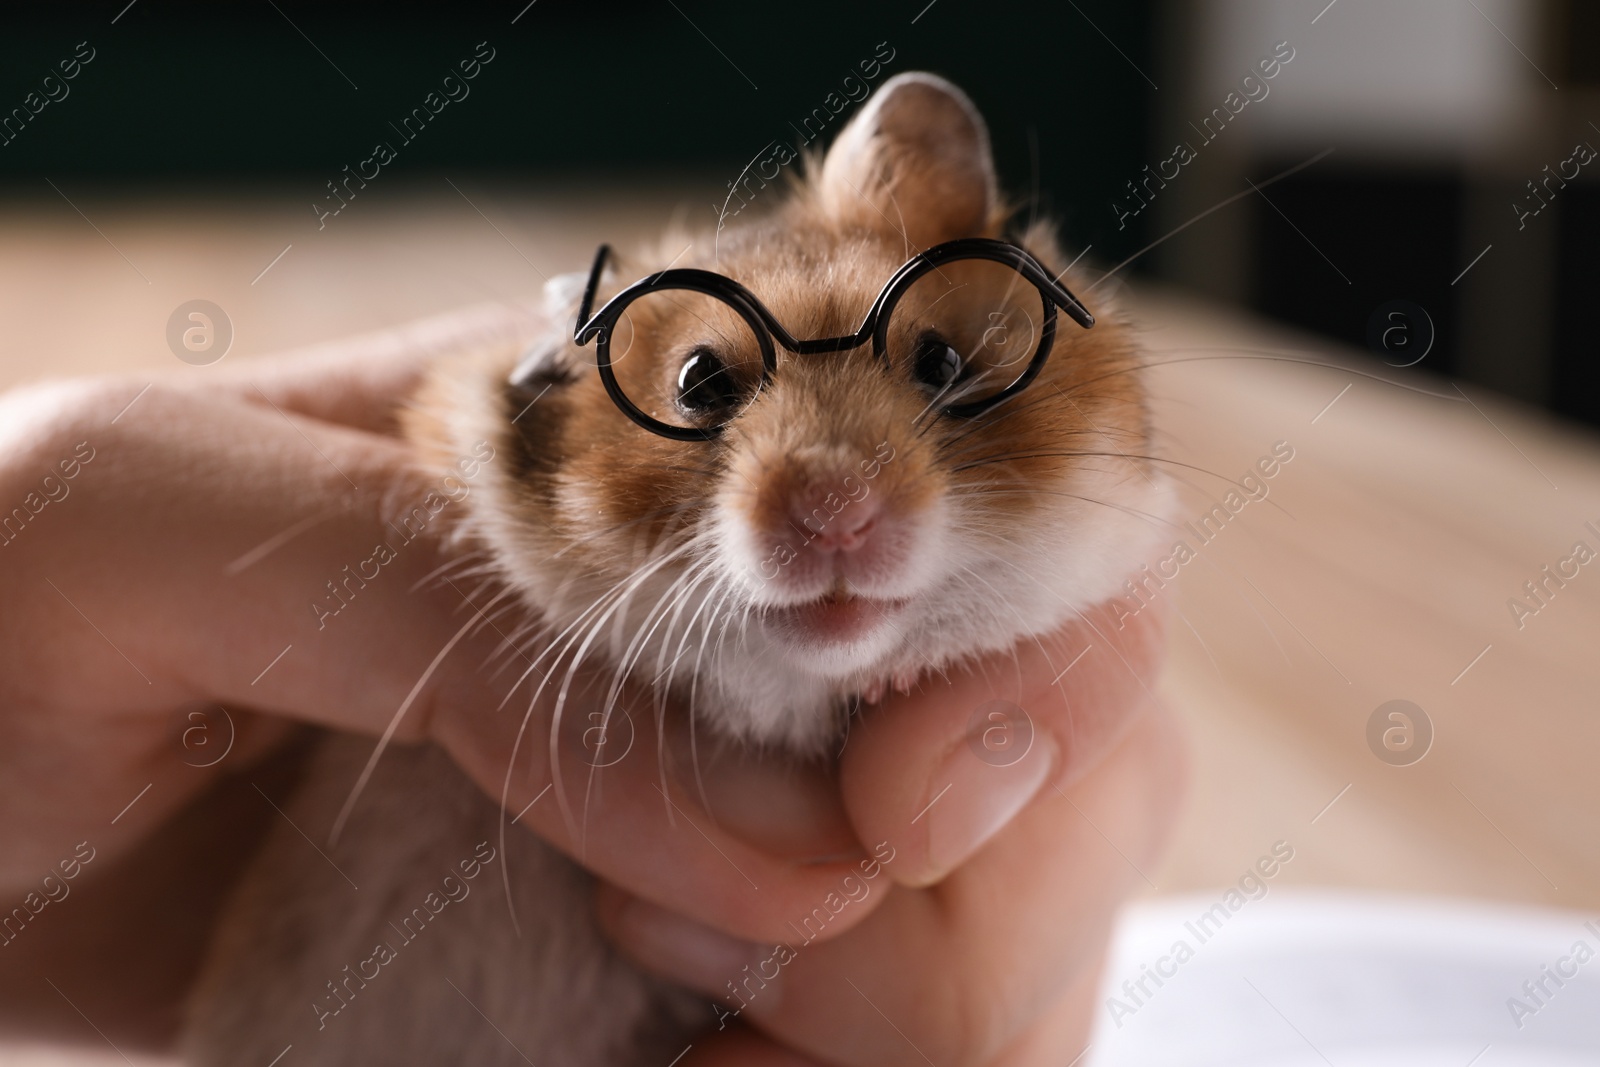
1379,568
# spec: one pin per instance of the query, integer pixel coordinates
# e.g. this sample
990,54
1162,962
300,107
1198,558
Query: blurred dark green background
180,92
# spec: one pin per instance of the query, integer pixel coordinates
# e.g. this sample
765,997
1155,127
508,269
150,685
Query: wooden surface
1406,523
1378,568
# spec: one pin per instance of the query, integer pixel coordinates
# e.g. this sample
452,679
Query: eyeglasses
971,320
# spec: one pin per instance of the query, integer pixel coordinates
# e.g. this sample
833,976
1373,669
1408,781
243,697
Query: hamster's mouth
836,618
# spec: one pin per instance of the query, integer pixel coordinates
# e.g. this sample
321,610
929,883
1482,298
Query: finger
211,565
362,382
742,1048
961,972
1000,940
942,770
1061,1037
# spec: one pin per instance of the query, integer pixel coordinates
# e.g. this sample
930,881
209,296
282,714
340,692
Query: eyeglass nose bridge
817,346
770,333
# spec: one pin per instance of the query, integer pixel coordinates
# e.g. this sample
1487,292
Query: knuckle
39,417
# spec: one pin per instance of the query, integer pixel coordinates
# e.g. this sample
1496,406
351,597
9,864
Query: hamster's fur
656,557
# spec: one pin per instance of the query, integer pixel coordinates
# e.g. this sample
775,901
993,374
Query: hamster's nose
831,522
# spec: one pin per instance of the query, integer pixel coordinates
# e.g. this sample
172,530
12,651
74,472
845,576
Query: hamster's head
846,528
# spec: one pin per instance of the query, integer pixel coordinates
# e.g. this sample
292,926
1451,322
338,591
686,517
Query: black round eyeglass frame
767,329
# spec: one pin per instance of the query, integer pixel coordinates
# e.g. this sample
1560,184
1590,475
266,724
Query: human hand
177,571
1006,875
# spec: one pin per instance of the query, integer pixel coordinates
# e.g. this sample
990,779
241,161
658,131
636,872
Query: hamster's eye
705,385
936,364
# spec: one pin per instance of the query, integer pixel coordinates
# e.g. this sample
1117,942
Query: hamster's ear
915,159
550,359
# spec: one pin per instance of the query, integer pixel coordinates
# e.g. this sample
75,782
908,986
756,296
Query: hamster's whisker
1016,663
1021,404
686,586
388,734
702,471
634,581
1088,454
638,520
973,439
626,664
469,599
672,595
1145,516
665,669
1279,356
705,636
983,450
932,409
1139,367
722,588
744,622
671,599
722,630
1005,601
1163,460
709,601
557,649
455,567
1074,453
1013,456
512,609
598,604
1178,611
518,641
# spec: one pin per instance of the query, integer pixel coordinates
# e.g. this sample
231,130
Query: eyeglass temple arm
1064,299
582,331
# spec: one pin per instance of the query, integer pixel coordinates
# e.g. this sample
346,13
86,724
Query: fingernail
693,954
976,795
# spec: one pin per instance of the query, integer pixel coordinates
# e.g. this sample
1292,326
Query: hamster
844,531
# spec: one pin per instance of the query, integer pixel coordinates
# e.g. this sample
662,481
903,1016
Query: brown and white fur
655,556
